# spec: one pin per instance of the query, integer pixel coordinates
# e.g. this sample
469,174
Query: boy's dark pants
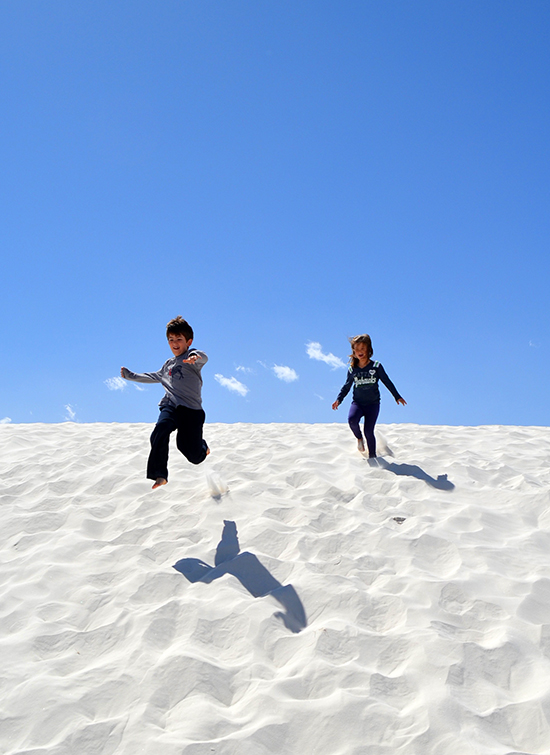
188,423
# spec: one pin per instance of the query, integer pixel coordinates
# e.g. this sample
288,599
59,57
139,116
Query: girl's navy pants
370,413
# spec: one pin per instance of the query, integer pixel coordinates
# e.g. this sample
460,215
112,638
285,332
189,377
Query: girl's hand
401,401
336,404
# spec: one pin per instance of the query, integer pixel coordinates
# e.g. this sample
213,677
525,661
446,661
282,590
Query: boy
181,407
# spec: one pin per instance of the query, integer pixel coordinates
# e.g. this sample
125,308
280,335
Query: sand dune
287,596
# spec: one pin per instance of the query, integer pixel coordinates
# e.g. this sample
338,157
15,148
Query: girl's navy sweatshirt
365,384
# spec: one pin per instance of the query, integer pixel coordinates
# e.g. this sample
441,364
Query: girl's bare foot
158,482
360,445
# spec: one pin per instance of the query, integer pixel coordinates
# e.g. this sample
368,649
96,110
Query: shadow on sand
411,470
250,573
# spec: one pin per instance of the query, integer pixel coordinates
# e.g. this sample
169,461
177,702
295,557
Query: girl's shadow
250,573
412,470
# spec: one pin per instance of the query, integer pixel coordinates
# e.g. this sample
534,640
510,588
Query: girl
364,375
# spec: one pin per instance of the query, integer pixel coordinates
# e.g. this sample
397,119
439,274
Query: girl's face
360,350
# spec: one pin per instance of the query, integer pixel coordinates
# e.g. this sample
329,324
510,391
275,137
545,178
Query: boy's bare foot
158,482
360,445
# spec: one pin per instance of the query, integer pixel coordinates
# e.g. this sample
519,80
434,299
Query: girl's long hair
365,338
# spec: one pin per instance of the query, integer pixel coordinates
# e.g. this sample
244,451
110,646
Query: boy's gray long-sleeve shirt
182,382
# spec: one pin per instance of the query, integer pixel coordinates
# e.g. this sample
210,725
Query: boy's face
178,344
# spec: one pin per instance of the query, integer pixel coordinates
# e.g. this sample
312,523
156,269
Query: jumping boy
181,408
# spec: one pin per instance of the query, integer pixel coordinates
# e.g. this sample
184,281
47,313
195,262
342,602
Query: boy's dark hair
365,338
179,327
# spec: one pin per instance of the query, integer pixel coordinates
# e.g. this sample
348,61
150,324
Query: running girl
364,375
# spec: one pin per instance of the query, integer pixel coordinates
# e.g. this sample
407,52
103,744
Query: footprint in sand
535,608
436,556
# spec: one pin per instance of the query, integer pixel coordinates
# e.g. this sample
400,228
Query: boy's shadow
250,573
411,470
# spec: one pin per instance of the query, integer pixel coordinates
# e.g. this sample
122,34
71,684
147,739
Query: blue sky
280,174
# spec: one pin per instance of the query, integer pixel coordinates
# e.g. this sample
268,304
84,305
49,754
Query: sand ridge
284,597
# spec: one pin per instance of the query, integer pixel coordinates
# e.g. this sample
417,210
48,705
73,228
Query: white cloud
315,351
138,387
285,373
240,368
115,383
5,421
232,384
71,413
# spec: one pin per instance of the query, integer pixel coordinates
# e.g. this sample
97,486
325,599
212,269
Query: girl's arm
382,374
344,390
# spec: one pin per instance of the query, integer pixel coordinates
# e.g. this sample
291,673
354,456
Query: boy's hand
401,401
191,360
336,404
122,371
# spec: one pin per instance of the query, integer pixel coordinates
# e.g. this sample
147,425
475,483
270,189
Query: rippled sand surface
286,597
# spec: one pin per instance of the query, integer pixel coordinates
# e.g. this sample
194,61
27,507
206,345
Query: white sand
429,637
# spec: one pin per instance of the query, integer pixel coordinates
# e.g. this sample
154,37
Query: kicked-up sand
286,597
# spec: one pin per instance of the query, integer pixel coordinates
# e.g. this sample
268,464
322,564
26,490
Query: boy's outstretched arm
140,377
191,360
196,357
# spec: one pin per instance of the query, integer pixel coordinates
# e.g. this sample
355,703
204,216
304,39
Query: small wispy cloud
138,387
240,368
71,414
115,383
534,344
287,374
232,384
315,351
5,421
